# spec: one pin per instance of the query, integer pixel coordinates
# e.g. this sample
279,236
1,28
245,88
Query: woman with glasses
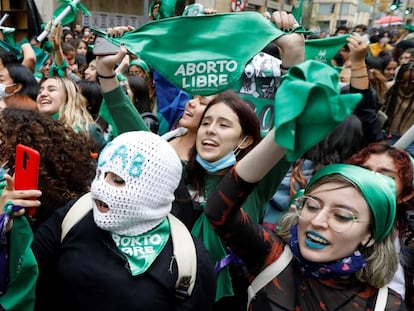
338,230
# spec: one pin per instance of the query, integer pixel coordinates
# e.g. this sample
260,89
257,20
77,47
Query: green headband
377,189
140,63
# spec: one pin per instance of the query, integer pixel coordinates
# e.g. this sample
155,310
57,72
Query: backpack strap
382,297
184,252
268,274
78,210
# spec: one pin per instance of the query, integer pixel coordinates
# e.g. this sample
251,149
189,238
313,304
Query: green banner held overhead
201,54
323,50
297,11
298,114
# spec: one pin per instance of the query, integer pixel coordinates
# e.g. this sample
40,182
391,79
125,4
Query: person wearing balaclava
120,255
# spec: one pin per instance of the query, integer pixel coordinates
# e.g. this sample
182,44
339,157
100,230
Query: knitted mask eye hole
114,180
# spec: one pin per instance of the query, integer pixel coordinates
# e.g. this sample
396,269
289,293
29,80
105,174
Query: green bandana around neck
201,61
377,189
308,106
141,250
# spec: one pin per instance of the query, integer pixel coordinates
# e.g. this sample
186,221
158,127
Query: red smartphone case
26,170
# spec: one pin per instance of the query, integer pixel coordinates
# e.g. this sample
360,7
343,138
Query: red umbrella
389,20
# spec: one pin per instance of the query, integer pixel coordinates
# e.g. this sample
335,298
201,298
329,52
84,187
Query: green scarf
142,250
304,118
205,233
23,270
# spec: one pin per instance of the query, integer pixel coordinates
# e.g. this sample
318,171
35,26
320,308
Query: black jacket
88,272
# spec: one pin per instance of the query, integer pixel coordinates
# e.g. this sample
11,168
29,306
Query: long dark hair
249,123
393,100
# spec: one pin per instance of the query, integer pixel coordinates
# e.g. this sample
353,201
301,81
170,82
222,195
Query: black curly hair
66,165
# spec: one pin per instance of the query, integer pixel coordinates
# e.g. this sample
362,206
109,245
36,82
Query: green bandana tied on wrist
377,189
308,106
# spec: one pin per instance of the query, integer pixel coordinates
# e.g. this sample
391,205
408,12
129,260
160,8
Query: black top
88,272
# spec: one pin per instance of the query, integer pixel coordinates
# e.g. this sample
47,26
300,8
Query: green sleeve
117,110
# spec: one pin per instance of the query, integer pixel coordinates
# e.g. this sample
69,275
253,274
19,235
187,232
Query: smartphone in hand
103,46
26,171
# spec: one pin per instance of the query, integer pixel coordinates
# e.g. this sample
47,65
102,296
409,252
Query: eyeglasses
339,219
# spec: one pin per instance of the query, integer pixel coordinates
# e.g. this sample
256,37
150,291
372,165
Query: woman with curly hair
60,98
66,165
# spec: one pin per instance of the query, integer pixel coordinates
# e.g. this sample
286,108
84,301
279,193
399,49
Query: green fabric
410,28
297,11
163,125
254,206
58,71
71,16
142,250
8,34
7,46
41,57
308,106
377,189
120,113
202,62
55,116
140,63
205,233
167,8
323,50
23,270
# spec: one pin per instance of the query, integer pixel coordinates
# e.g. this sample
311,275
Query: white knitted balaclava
151,170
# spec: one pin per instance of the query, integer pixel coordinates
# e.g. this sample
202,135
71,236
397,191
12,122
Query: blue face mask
212,167
227,161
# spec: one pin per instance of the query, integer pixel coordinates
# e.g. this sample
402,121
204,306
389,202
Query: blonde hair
381,257
74,112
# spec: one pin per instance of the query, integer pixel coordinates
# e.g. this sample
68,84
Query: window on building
326,8
323,25
345,8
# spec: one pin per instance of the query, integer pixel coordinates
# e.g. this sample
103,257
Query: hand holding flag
65,14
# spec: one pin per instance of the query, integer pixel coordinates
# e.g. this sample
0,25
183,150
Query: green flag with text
201,54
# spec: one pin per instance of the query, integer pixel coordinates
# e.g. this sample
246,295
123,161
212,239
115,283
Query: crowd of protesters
316,213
